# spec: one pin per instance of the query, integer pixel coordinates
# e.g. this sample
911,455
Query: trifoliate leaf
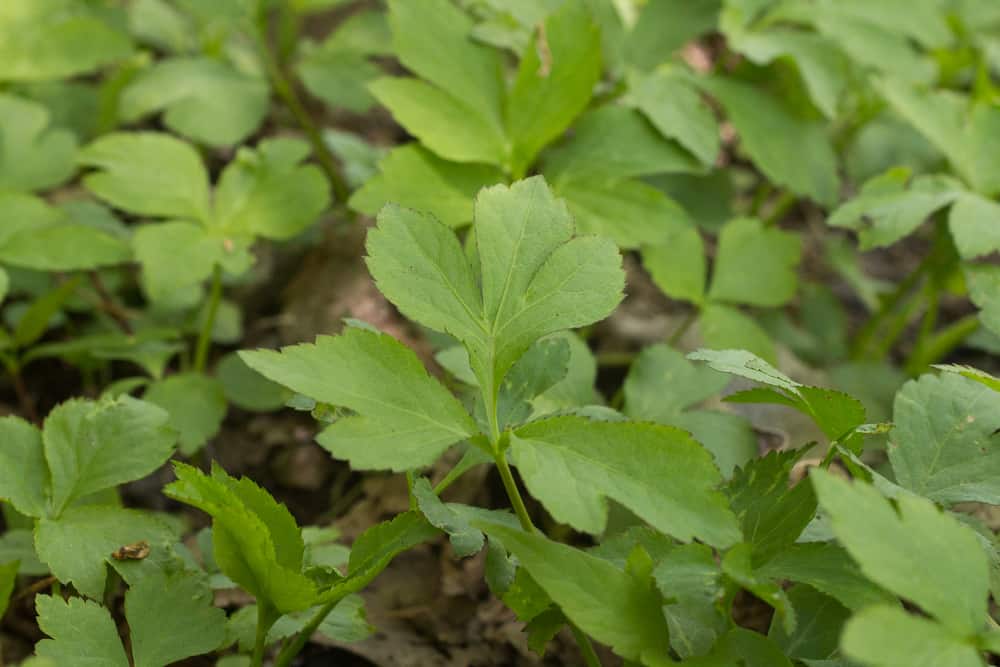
257,542
791,151
571,464
203,99
33,155
913,550
267,192
674,106
945,445
172,617
405,419
614,143
91,446
413,177
24,474
55,39
629,211
196,405
554,82
536,278
615,607
78,545
148,173
889,637
82,633
727,327
676,263
747,247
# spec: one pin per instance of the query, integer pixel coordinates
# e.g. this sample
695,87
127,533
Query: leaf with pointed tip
405,419
572,464
746,365
82,633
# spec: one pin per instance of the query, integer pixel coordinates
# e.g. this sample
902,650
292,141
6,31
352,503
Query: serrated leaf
674,106
405,419
465,539
257,543
914,550
746,365
172,617
54,39
78,545
982,377
82,633
203,99
415,178
554,82
33,154
267,192
622,612
792,152
944,445
571,464
691,583
543,366
889,637
91,446
536,278
196,405
747,247
148,173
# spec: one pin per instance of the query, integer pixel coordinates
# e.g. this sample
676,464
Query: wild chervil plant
797,469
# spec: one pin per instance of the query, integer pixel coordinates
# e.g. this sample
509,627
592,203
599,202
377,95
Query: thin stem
260,642
205,337
590,657
287,93
679,332
864,337
292,648
780,209
510,486
942,343
108,304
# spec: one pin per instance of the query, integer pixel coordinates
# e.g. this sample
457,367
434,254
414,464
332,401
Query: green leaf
257,542
77,546
616,607
549,93
914,550
746,365
539,369
972,224
54,39
664,26
536,278
202,99
983,281
24,475
691,583
726,327
890,637
674,106
148,173
415,178
982,377
677,264
571,464
661,383
196,405
248,389
817,633
791,152
33,155
405,419
771,256
615,143
895,205
17,544
172,617
628,211
91,446
944,445
36,319
737,564
82,633
8,578
465,539
743,647
268,192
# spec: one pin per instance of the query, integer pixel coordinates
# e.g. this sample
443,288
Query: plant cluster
754,160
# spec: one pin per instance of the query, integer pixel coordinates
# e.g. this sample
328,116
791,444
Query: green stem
205,337
679,332
293,648
780,209
590,657
941,344
287,93
863,339
260,641
510,486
